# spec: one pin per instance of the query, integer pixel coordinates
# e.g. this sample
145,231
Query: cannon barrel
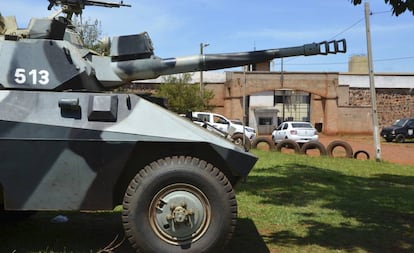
154,67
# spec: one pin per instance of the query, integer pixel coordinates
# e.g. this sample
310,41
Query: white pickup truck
235,131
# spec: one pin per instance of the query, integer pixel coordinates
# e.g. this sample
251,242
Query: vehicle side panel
67,150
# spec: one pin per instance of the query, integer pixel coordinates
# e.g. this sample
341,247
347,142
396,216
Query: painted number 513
34,76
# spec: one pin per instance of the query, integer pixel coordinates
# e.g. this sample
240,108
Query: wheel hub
179,214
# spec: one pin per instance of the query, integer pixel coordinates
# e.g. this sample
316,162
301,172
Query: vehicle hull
73,150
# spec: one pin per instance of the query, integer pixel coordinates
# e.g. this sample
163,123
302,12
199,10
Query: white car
300,132
220,122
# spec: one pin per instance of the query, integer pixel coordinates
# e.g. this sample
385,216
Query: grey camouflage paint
80,162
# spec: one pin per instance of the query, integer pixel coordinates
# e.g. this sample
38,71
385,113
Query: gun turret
132,59
151,67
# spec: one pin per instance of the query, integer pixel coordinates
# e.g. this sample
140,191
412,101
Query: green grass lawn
289,203
309,204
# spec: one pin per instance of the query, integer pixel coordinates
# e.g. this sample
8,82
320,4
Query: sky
178,27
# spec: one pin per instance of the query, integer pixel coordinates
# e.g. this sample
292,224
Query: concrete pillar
330,125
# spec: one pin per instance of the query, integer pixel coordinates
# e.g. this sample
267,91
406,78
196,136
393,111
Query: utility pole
244,107
202,46
377,145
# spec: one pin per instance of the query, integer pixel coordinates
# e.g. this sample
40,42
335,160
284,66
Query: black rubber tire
238,140
266,140
348,149
288,144
313,145
178,179
389,139
400,138
361,152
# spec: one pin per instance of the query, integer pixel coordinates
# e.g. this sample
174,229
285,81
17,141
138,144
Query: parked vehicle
400,130
300,132
236,121
235,130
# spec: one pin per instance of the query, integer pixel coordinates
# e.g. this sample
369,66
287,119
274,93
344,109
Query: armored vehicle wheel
179,204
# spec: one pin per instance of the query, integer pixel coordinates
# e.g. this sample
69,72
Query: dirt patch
401,153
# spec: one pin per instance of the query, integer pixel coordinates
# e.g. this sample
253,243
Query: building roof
381,80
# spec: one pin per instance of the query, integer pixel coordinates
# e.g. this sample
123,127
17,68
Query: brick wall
391,103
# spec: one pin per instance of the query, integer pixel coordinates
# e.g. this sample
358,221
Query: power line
346,29
342,32
396,59
357,22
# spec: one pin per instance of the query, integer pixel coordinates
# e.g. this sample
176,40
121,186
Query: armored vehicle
66,144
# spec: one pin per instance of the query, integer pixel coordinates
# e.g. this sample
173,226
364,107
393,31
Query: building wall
391,103
218,99
324,85
340,102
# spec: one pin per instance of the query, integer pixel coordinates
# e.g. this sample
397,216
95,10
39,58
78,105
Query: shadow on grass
381,207
380,210
91,232
246,239
84,232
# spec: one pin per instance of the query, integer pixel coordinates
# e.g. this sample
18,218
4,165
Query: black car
400,130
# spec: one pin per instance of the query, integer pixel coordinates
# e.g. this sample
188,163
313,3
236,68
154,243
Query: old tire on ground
238,140
400,138
361,152
179,204
313,145
288,144
266,140
348,149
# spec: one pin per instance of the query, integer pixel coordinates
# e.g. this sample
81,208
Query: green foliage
183,96
91,33
398,6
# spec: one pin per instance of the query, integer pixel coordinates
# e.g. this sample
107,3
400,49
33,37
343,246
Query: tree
91,33
182,96
398,6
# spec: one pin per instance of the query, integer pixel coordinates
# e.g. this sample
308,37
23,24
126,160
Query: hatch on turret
39,28
131,47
